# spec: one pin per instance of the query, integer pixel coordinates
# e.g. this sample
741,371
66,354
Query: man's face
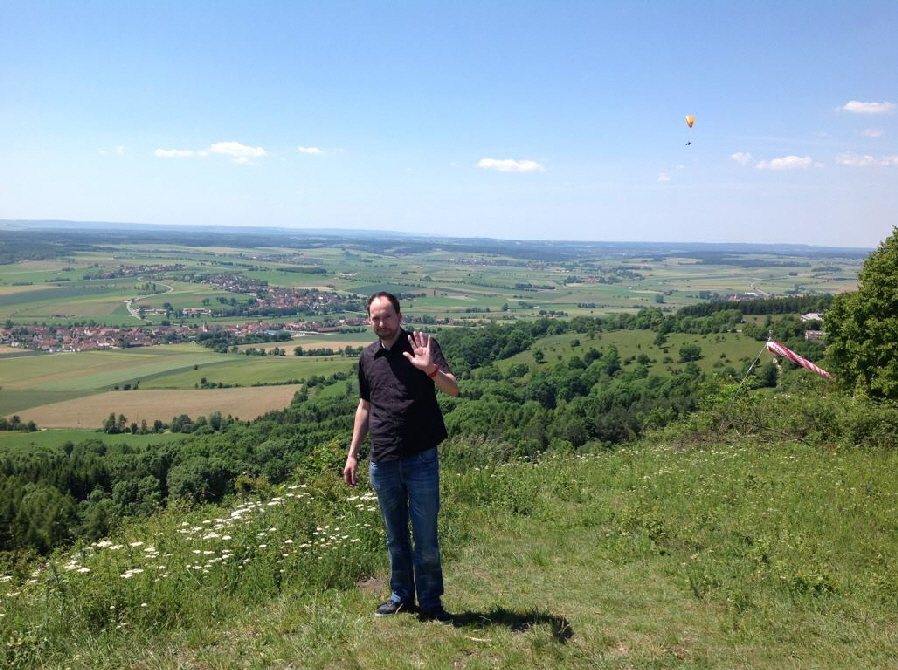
384,319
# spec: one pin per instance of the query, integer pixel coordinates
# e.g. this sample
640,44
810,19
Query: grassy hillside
767,545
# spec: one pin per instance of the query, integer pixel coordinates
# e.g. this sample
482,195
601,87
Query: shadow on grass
516,621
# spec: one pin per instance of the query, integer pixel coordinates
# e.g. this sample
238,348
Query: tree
862,327
690,352
44,519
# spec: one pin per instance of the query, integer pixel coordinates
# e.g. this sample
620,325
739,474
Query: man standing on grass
398,378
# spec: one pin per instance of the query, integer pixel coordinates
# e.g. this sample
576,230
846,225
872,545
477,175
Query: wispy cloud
510,165
118,151
788,163
872,132
309,150
179,153
855,160
241,153
663,178
742,158
869,107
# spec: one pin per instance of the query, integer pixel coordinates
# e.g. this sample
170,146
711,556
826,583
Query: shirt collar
401,344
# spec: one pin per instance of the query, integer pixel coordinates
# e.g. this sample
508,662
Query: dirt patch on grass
243,403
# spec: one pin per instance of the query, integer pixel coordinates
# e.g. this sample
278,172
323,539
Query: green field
99,370
55,438
252,370
35,380
730,349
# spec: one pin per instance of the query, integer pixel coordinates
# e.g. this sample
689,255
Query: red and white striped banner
785,352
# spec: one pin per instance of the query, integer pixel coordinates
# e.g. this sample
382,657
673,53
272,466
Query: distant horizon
66,224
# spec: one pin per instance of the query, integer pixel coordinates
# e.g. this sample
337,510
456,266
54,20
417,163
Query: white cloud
872,132
119,151
179,153
869,107
510,165
237,150
309,150
742,158
854,160
663,178
788,163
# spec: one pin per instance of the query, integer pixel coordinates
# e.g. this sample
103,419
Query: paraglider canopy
690,120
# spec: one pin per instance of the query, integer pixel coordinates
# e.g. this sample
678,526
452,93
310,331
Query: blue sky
515,120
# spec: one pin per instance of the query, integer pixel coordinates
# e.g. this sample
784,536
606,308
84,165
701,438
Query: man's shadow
517,622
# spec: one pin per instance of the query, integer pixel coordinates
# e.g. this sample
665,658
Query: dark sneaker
437,614
390,607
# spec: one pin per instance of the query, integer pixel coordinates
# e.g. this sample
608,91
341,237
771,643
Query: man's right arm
359,433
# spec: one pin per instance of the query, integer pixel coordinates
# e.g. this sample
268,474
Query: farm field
72,390
437,279
55,438
157,367
96,370
252,370
150,405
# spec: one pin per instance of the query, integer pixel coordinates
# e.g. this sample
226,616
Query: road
130,302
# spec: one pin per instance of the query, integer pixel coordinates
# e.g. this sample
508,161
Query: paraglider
690,119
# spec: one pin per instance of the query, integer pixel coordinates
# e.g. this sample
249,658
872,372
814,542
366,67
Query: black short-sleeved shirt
404,417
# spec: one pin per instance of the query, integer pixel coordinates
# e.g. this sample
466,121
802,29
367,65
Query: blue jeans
409,488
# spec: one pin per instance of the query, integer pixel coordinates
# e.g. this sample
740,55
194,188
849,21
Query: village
52,339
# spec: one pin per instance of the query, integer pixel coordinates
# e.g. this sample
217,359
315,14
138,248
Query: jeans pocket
429,456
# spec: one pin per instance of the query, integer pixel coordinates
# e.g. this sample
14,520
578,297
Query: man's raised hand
421,357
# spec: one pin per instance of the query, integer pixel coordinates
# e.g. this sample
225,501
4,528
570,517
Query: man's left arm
446,382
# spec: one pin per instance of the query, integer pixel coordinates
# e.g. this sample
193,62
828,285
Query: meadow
717,349
42,439
691,549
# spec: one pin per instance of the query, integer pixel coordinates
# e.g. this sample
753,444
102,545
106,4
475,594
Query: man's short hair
383,294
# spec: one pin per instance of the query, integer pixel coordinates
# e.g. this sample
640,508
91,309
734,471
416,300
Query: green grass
673,553
726,348
26,380
249,370
55,438
92,370
16,401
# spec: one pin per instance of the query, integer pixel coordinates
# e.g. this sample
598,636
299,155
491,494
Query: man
398,378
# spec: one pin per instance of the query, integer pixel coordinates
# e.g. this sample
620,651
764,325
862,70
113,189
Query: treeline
327,351
305,269
114,425
791,305
298,310
223,342
15,423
